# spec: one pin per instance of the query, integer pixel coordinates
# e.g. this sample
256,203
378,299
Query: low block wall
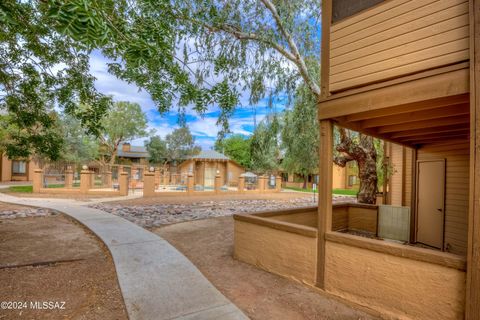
77,191
277,246
398,281
353,216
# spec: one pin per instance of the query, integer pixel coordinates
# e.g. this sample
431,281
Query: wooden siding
408,177
397,38
396,179
456,195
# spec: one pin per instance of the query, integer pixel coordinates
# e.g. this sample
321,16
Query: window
19,167
352,180
342,9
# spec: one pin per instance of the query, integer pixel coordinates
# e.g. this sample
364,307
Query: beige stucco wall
395,286
236,170
338,181
287,254
6,170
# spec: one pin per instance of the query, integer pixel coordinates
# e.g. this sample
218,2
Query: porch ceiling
415,124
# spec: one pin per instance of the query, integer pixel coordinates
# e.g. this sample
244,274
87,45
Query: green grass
345,192
299,189
29,189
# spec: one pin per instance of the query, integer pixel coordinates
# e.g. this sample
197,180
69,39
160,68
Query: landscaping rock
27,212
162,214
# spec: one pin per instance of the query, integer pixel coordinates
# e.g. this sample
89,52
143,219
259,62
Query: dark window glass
342,9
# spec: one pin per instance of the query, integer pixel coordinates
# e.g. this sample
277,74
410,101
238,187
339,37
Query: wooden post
68,178
190,183
92,179
108,179
472,307
165,178
148,184
85,181
324,196
261,183
278,183
218,183
241,184
37,182
123,183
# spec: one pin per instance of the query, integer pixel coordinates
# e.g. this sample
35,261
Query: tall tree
300,135
79,146
181,144
125,121
201,51
40,68
265,146
237,147
157,149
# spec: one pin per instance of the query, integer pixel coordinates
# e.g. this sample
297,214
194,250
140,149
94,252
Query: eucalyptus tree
270,46
198,52
265,146
300,135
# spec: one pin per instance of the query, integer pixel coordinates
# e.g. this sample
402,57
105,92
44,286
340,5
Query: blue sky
203,128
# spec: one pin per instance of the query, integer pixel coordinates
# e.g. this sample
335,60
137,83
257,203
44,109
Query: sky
203,128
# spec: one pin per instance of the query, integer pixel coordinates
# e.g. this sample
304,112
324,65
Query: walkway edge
156,280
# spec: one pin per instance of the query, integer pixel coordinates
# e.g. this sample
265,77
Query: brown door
430,202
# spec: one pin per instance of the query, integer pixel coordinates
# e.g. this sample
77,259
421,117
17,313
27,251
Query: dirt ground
53,259
176,199
261,295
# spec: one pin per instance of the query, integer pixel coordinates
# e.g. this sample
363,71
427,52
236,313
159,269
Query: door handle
441,210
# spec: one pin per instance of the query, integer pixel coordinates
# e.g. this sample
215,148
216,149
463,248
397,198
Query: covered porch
406,257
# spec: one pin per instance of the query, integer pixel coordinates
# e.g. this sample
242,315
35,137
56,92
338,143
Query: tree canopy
78,145
157,150
40,68
125,121
300,135
181,144
265,147
177,146
237,148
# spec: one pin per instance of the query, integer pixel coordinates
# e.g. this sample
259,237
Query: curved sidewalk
157,281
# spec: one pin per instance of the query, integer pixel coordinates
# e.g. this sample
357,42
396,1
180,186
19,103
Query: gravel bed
27,212
162,214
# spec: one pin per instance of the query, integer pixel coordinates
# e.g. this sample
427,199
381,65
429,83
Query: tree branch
296,53
341,160
240,35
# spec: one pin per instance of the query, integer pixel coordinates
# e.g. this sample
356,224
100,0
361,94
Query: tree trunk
367,173
364,153
305,181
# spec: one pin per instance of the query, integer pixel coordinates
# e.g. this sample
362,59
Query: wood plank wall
457,188
407,177
396,178
397,38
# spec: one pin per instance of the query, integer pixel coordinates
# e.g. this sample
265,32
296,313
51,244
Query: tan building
406,72
343,178
16,170
128,154
209,163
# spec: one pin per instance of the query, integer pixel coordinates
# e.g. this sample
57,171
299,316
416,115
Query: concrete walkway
157,281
